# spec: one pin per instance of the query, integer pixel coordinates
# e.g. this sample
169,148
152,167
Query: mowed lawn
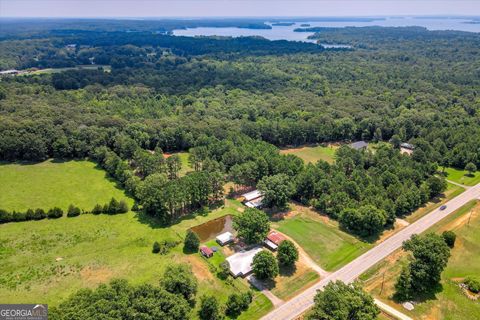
462,176
450,303
322,239
313,154
50,183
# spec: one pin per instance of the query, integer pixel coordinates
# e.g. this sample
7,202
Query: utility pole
469,217
383,281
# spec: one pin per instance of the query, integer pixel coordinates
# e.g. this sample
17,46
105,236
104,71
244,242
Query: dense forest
233,101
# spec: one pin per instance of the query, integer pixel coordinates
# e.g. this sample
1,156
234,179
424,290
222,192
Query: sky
234,8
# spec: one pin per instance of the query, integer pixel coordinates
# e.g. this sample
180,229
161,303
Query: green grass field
95,249
450,303
461,176
323,241
49,183
46,261
106,68
313,154
289,287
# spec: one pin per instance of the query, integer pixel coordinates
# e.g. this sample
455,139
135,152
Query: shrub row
30,214
113,207
163,247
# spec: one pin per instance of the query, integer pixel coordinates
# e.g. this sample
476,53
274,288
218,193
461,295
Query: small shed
359,145
224,238
241,263
273,240
255,203
206,252
252,195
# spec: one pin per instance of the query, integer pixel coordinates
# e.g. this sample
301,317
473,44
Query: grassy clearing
313,154
288,286
259,307
46,261
322,239
462,176
450,303
50,183
106,68
451,192
186,168
185,164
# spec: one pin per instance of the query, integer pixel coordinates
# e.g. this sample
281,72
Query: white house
241,262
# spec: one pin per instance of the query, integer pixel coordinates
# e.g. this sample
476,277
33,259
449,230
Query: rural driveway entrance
302,302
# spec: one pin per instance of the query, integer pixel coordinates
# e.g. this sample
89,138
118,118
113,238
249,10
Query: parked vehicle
443,207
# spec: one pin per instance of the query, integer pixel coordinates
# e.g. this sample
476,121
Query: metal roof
241,262
359,145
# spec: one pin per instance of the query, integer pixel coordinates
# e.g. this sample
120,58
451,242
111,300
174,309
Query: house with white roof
241,263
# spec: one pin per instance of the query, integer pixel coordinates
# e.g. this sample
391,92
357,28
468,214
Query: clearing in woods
56,183
311,154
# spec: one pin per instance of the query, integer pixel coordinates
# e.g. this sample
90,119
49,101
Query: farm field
48,260
450,303
321,238
51,183
451,192
313,154
462,177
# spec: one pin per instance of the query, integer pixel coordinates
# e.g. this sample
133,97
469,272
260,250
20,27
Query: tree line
112,207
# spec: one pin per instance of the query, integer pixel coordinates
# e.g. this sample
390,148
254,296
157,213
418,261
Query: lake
213,228
285,32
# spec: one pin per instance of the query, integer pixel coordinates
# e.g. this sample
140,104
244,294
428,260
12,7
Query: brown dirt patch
463,220
96,275
199,267
434,314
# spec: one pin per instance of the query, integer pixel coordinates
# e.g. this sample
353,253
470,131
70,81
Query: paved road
296,306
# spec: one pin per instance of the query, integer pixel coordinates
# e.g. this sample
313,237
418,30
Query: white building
241,262
224,238
253,199
249,196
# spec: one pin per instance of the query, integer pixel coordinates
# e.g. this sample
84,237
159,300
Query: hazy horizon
197,9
